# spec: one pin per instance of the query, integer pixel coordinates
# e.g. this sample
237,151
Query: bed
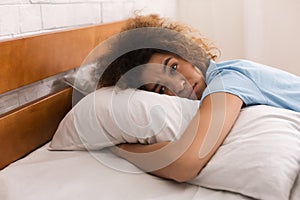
259,160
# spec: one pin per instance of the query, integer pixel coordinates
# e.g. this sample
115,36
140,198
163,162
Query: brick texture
25,17
65,15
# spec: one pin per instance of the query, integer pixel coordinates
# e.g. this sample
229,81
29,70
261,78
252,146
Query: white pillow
111,116
260,157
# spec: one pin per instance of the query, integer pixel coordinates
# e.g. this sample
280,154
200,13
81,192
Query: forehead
152,72
154,67
159,58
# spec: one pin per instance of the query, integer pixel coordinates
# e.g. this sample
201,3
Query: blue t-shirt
254,83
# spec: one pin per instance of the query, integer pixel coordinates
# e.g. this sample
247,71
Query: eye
173,68
162,90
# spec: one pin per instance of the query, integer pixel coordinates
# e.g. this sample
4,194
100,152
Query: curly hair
143,36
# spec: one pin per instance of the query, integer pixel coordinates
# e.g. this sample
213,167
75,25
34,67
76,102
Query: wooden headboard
27,60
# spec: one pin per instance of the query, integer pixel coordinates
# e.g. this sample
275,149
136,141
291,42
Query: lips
195,87
193,94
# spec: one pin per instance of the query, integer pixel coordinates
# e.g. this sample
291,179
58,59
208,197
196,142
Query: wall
265,31
27,17
272,33
218,20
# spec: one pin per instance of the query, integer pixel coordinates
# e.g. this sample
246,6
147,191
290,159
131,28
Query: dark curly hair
143,36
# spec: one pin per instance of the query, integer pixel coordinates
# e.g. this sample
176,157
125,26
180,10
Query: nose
178,85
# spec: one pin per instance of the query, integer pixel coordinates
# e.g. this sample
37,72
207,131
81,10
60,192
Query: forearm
158,159
143,148
147,157
182,160
166,159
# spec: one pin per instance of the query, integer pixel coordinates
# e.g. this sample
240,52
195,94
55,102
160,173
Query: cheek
197,73
147,77
169,92
198,70
191,72
148,87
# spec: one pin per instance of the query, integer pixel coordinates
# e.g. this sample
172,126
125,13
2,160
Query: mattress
79,175
260,159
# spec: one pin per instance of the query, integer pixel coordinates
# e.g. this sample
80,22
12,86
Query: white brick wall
26,17
9,20
8,2
62,15
113,11
30,19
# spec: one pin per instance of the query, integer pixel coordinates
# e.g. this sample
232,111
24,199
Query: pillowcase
112,116
260,157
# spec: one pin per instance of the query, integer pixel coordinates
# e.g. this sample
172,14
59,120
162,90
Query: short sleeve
236,83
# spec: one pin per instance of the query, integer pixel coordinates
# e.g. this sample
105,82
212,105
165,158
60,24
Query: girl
173,59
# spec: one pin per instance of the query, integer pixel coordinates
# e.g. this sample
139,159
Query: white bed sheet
78,175
295,193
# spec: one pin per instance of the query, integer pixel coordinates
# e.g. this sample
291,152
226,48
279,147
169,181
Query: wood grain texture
26,60
31,126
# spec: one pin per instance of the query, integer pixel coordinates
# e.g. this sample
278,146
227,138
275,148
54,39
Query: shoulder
216,68
234,63
242,66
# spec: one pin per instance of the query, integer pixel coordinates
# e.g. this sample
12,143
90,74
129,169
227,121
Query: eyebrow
165,63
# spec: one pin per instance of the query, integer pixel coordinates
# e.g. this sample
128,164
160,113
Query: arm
182,160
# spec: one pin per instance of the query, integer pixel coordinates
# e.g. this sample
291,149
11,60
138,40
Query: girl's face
172,75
